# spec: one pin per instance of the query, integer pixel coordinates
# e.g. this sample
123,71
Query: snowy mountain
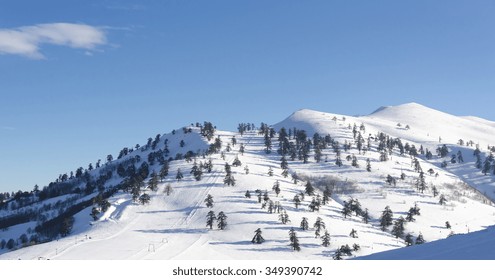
403,157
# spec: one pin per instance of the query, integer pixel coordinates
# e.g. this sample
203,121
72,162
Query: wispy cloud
27,40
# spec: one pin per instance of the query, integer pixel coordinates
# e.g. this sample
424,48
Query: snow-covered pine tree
210,219
319,225
222,220
164,171
366,216
276,187
258,239
304,224
236,162
294,241
297,201
386,218
398,229
179,175
309,189
420,239
209,201
409,240
325,239
284,217
270,171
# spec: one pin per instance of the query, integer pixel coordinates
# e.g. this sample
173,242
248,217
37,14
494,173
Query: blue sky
82,79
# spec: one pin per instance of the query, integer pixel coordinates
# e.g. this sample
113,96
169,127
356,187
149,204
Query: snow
474,246
173,227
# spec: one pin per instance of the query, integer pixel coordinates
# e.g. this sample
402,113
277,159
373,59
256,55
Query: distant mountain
433,170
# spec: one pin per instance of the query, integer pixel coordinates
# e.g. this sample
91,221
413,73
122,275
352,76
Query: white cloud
27,40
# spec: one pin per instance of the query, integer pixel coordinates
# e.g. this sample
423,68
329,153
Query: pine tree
297,201
144,199
248,194
258,239
386,218
410,215
368,165
420,239
318,154
284,217
285,173
153,182
365,215
409,240
164,170
487,165
304,224
313,206
310,190
319,225
270,171
276,188
268,144
355,206
294,241
325,239
209,165
209,201
435,191
354,161
398,229
94,213
179,175
346,210
229,180
327,193
210,219
356,247
478,162
135,192
283,163
295,178
222,220
421,183
271,206
338,255
236,162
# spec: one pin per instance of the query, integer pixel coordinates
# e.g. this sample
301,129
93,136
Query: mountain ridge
173,226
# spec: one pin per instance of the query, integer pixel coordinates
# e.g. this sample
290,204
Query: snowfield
174,226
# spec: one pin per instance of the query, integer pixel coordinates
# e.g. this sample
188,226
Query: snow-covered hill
474,246
174,226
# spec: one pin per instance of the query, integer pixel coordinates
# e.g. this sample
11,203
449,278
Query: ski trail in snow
114,216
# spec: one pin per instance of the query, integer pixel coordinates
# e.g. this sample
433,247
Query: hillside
381,164
474,246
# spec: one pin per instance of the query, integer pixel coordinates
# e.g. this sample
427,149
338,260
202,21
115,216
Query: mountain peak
402,107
